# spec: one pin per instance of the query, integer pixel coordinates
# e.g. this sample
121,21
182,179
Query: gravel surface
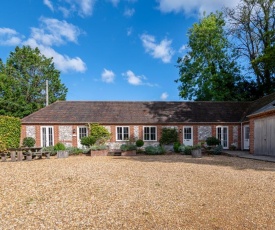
142,192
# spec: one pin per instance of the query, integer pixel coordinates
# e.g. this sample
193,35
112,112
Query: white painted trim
77,135
129,133
149,126
47,135
192,135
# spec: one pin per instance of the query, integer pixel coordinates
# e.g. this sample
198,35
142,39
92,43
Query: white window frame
150,133
78,135
123,134
47,136
222,133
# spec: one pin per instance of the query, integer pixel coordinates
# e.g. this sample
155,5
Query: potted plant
99,150
28,142
196,151
61,150
212,141
128,149
139,144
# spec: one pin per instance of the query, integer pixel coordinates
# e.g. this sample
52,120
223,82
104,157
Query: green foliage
168,136
154,150
10,131
185,149
251,25
2,146
88,141
100,133
195,147
59,146
23,82
139,143
208,71
98,147
74,150
128,147
49,149
176,146
210,141
28,142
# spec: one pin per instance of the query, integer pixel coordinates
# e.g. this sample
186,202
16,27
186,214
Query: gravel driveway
142,192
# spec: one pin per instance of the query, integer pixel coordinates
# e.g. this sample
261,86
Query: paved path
246,154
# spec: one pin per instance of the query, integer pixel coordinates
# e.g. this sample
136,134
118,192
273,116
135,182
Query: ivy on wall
10,130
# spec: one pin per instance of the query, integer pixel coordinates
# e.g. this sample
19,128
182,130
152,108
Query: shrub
176,146
168,136
74,150
59,146
2,146
100,133
154,150
139,143
217,150
128,147
98,147
210,141
88,141
28,142
186,150
49,149
10,131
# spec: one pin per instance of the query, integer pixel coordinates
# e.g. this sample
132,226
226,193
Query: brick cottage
247,125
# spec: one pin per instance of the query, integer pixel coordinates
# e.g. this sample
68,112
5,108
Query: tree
208,71
252,24
23,82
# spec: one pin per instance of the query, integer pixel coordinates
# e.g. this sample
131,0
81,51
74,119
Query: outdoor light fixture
73,131
180,130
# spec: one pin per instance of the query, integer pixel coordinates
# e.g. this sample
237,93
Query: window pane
44,137
50,137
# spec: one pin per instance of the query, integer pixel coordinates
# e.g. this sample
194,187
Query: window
82,132
47,136
122,133
149,133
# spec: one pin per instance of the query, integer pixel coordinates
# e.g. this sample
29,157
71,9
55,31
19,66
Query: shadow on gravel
215,160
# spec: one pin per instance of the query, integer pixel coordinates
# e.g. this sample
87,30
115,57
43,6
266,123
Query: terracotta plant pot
103,152
129,153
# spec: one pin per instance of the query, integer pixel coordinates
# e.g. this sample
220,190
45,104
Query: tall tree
208,71
23,82
252,24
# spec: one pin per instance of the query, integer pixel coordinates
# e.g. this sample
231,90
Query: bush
88,141
210,141
59,147
217,150
49,149
100,133
74,150
168,136
186,150
28,142
176,146
10,131
154,150
2,146
139,143
128,147
98,147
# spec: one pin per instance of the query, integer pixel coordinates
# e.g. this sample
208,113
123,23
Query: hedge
10,131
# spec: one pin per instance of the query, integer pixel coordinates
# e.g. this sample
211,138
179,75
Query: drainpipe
241,136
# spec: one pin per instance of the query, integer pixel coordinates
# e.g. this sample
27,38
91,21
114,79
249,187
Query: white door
246,132
222,135
47,136
188,135
82,131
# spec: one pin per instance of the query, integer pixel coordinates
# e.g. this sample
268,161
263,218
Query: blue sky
107,49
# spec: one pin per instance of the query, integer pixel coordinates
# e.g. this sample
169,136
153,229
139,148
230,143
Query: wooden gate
264,133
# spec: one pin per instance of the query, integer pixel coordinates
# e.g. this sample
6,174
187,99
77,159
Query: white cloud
162,50
133,79
129,31
55,32
183,48
83,8
9,37
49,4
114,2
195,6
129,12
107,76
164,96
62,62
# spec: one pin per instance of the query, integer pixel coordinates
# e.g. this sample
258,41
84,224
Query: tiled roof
264,104
115,112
